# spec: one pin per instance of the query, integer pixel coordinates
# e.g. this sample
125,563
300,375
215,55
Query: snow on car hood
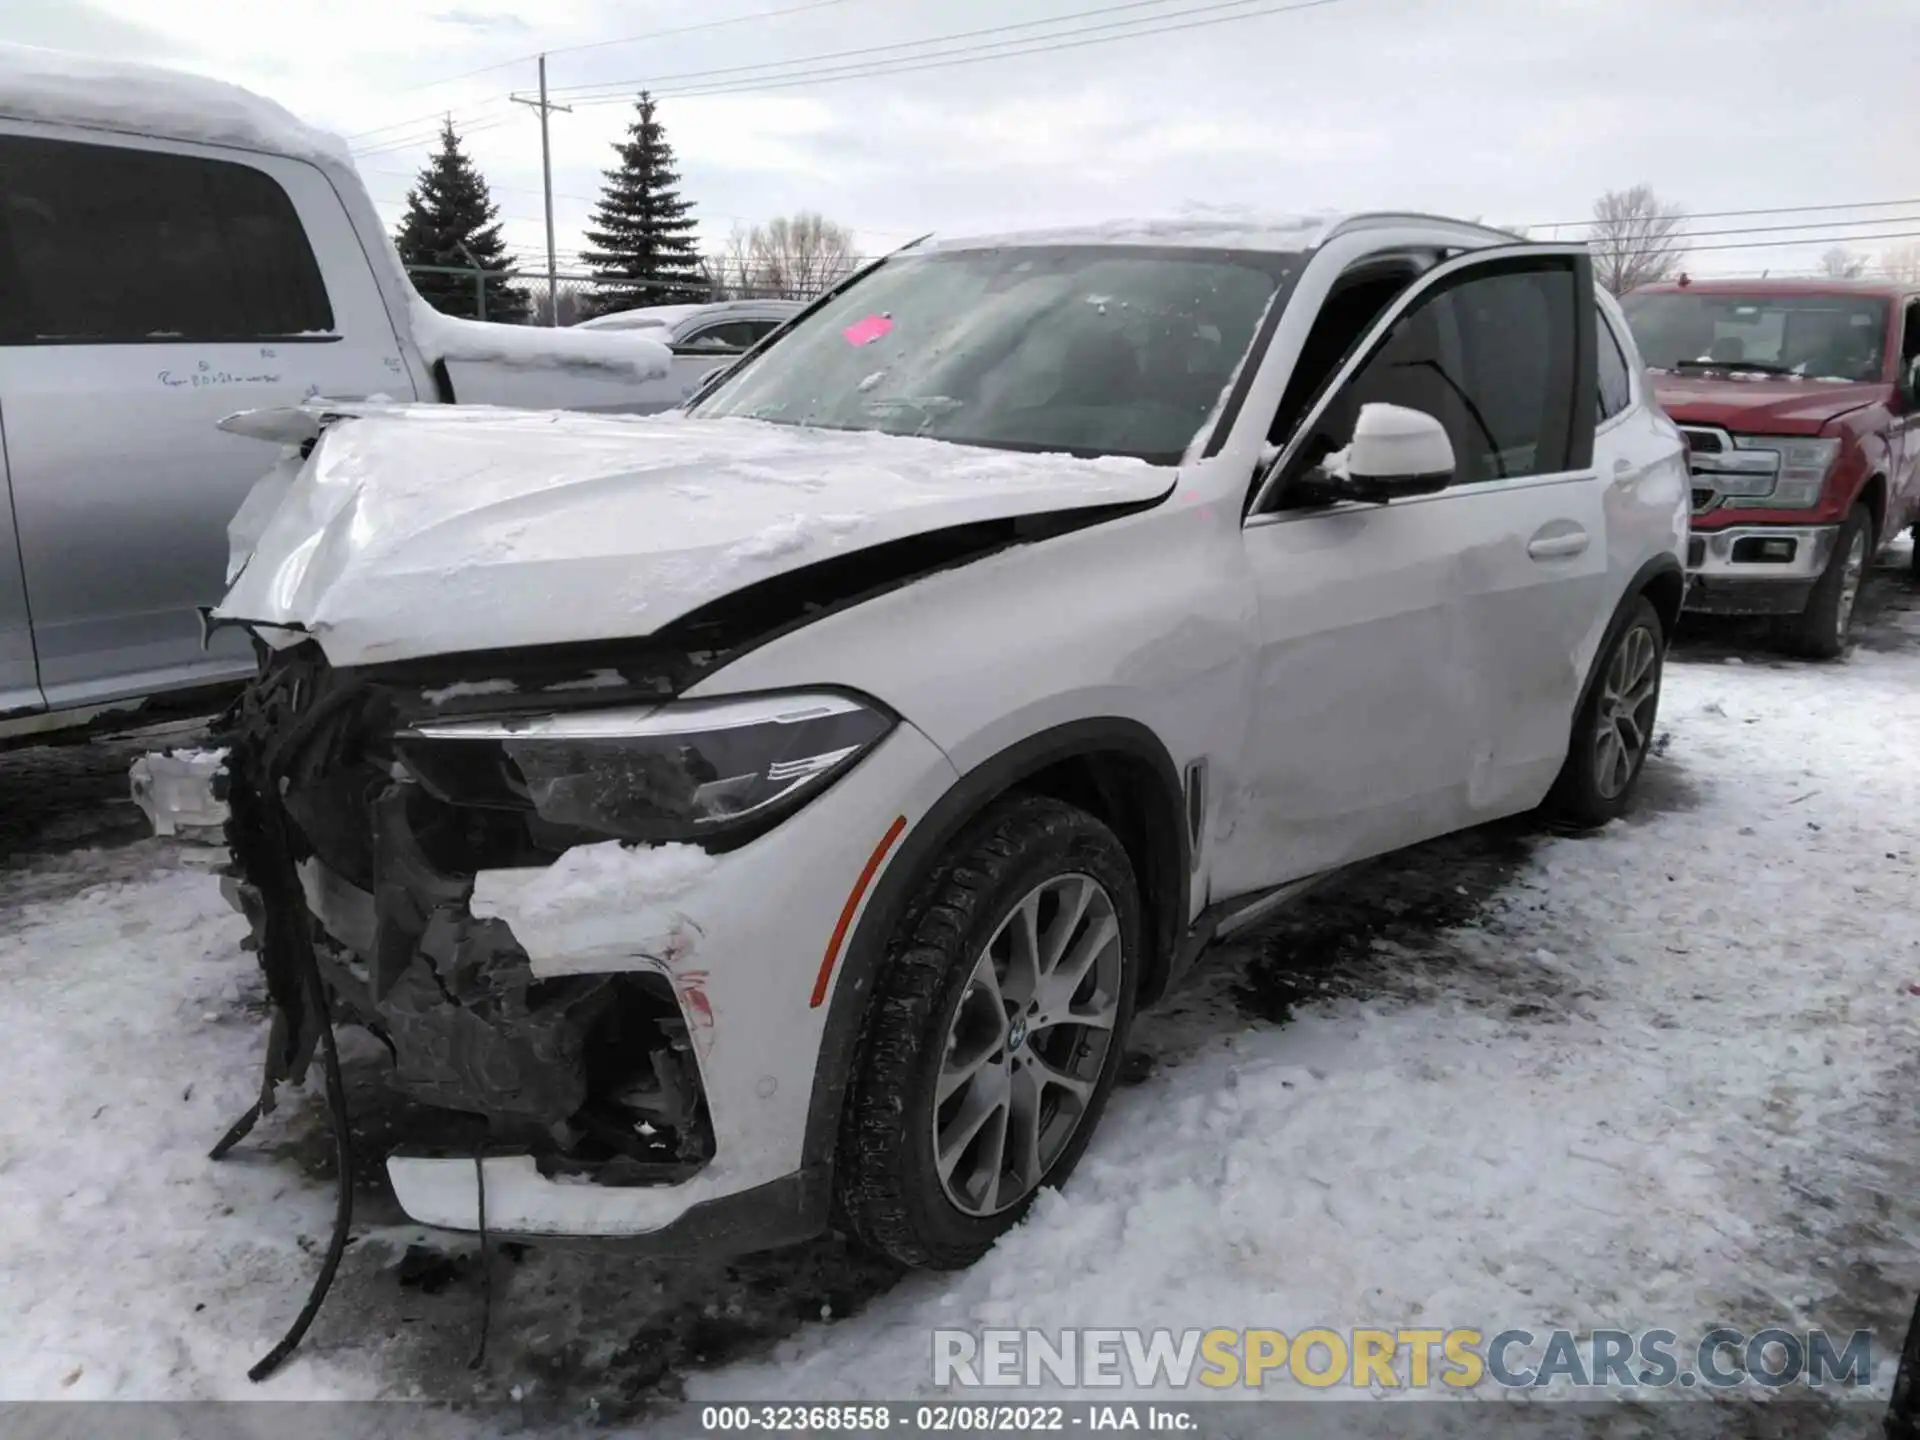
429,530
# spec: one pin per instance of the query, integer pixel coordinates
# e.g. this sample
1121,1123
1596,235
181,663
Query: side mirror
1396,453
1910,382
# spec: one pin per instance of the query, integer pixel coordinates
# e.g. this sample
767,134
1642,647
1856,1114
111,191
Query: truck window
104,244
1811,337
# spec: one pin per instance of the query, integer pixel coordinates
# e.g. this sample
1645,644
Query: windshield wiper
1757,367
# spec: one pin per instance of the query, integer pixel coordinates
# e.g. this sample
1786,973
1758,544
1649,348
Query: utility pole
546,107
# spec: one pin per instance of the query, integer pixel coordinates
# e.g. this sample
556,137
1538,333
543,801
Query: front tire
1613,732
994,1035
1820,631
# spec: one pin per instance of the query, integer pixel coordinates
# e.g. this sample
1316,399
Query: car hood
423,530
1759,405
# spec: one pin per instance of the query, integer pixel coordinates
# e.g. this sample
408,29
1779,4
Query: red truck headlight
1804,463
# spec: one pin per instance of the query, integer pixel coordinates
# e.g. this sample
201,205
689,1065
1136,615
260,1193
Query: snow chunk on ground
130,1038
63,89
174,789
607,904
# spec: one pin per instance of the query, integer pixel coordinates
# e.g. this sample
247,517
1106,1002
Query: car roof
1231,229
1730,285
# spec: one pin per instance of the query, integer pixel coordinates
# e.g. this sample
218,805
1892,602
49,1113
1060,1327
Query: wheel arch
1663,583
1876,497
1115,768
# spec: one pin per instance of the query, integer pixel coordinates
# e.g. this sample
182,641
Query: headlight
684,771
1804,464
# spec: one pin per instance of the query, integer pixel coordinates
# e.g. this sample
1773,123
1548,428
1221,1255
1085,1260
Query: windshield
1813,337
1095,350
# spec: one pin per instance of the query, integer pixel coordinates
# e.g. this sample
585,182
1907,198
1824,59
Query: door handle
1560,545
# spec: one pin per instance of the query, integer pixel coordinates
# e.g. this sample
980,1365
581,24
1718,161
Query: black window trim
1610,331
9,263
1496,259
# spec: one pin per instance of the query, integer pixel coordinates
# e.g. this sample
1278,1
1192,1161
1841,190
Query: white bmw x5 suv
775,811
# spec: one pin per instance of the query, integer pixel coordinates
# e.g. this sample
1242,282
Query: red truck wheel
1820,631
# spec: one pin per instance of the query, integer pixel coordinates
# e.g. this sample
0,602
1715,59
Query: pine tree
451,220
642,230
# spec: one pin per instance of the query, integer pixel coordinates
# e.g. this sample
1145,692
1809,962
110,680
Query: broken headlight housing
719,770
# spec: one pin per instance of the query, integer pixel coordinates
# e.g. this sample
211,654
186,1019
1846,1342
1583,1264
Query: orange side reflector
853,904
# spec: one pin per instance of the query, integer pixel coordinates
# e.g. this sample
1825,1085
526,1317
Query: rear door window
106,244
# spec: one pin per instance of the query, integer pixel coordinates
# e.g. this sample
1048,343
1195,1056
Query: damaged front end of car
342,855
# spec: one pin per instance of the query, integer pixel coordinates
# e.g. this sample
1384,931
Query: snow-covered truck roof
62,89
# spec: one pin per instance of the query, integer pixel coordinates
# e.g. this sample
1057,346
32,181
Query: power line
962,55
414,122
1737,214
690,29
1785,229
719,24
965,55
1821,240
389,147
627,87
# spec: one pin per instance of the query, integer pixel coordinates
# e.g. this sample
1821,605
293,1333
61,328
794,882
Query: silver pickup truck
174,250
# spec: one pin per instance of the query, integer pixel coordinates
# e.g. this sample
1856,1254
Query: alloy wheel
1026,1044
1629,693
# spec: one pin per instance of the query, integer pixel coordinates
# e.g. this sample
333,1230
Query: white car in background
722,325
779,809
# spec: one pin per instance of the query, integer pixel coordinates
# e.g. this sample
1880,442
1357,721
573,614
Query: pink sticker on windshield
865,332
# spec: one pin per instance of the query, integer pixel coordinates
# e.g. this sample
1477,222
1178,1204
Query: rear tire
1820,631
975,1082
1613,732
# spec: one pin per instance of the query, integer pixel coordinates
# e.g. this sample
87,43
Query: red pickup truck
1800,401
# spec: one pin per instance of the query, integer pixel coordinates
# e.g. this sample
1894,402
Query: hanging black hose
343,1195
258,834
237,1132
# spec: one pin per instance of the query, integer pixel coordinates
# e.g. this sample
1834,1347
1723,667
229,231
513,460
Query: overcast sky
1517,111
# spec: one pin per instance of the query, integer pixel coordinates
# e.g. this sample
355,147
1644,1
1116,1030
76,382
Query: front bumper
1756,569
744,958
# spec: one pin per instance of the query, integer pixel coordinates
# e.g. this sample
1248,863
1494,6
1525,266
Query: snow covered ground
1660,1076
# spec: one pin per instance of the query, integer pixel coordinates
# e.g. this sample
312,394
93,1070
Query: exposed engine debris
588,1072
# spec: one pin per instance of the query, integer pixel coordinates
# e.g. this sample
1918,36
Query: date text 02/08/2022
943,1419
